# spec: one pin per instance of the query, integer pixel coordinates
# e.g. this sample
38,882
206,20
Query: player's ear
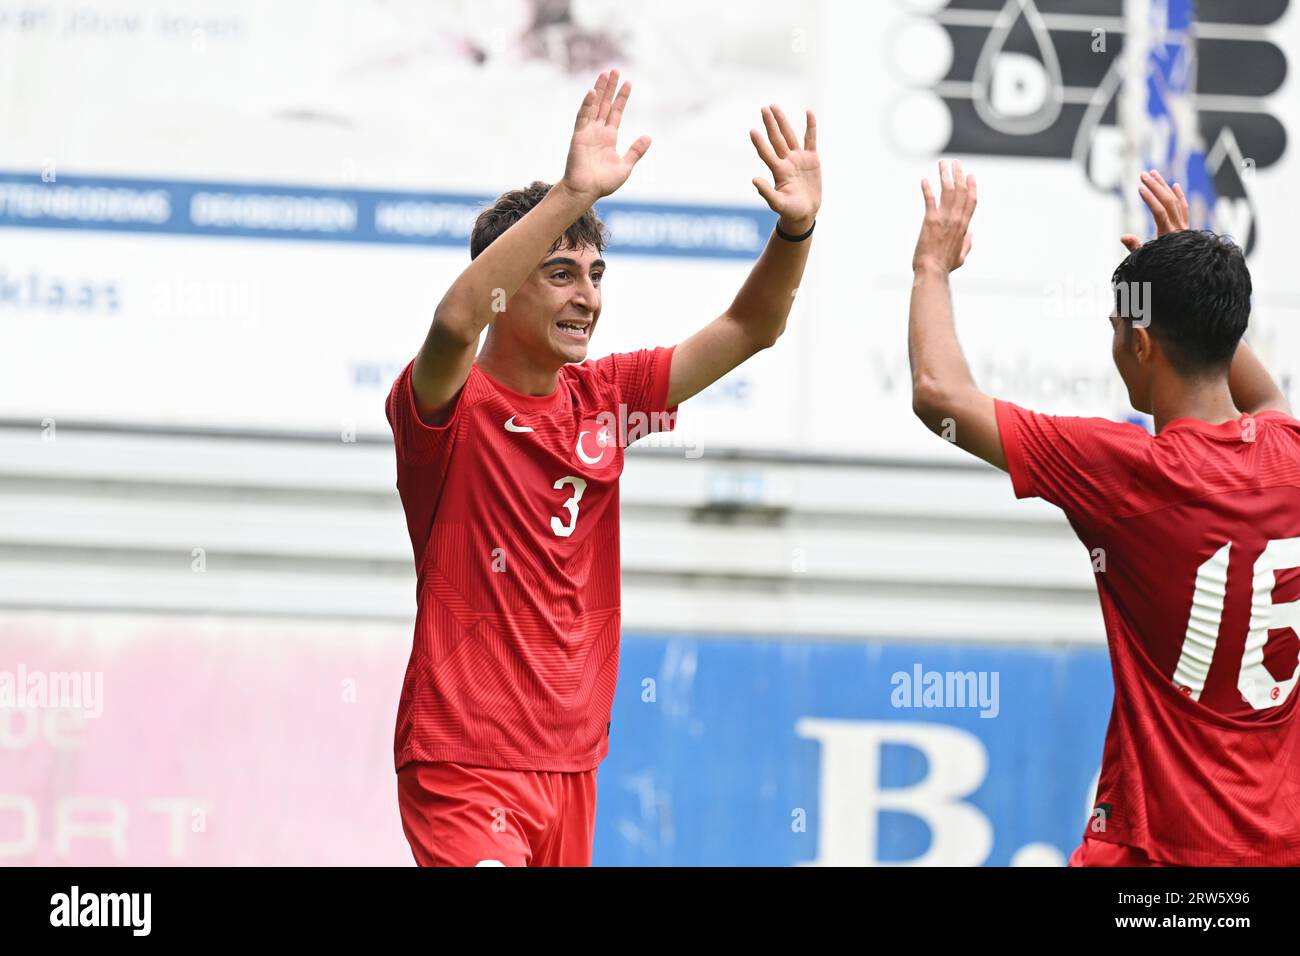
1142,343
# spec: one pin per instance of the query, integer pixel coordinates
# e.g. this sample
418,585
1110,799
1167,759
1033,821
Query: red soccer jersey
1194,536
512,508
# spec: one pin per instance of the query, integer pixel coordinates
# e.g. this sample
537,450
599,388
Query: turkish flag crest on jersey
596,445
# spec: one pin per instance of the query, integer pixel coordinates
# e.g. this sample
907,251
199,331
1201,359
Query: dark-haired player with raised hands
1199,526
508,470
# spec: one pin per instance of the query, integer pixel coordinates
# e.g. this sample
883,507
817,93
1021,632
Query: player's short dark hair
512,206
1199,297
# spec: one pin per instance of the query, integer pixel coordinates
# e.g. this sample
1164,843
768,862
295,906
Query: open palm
795,194
594,167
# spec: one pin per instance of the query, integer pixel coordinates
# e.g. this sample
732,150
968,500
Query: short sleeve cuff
410,431
1008,416
661,376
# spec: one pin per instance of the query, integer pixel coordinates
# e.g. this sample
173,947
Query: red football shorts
1100,853
455,815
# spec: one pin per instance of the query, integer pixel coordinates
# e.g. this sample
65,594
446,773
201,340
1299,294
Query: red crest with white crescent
597,445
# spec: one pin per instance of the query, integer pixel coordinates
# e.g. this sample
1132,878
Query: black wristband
789,238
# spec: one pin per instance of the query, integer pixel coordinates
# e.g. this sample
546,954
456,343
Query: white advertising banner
241,215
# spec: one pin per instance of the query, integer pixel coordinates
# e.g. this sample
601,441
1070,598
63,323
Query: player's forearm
1253,388
491,279
763,303
939,370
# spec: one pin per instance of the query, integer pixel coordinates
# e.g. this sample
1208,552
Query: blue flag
1174,143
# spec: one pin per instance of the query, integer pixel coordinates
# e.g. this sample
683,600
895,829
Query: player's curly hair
512,206
1199,297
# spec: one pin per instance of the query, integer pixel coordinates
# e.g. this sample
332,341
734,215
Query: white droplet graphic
1016,93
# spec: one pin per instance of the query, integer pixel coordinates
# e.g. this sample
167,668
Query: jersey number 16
1258,687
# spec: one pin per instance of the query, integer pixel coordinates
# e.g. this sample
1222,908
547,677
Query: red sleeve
416,442
1007,433
1085,466
642,382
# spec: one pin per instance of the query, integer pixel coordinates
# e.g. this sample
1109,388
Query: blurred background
223,230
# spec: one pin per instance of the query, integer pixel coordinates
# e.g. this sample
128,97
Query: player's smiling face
557,307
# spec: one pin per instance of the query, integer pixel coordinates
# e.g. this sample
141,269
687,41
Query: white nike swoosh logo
512,427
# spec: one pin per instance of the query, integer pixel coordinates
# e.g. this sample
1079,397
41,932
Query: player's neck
1207,400
517,374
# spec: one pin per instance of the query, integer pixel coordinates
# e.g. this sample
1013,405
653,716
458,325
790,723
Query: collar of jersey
1229,429
521,400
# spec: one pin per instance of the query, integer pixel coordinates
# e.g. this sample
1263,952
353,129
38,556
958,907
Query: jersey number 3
1258,687
579,486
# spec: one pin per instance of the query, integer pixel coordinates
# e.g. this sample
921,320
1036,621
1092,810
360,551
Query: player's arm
757,316
944,394
1253,388
593,169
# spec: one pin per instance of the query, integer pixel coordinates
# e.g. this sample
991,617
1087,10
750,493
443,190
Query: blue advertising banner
260,211
738,751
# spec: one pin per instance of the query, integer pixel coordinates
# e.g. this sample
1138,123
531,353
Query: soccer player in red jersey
1194,534
508,464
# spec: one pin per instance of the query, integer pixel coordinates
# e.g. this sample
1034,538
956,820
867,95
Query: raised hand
594,167
796,192
945,236
1167,204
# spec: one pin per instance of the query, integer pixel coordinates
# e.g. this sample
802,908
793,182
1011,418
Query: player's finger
958,175
928,193
1182,204
607,97
966,245
787,131
601,82
766,191
945,184
972,198
774,133
1156,183
1131,242
764,150
1152,203
1157,208
620,103
1169,198
636,150
810,133
586,110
